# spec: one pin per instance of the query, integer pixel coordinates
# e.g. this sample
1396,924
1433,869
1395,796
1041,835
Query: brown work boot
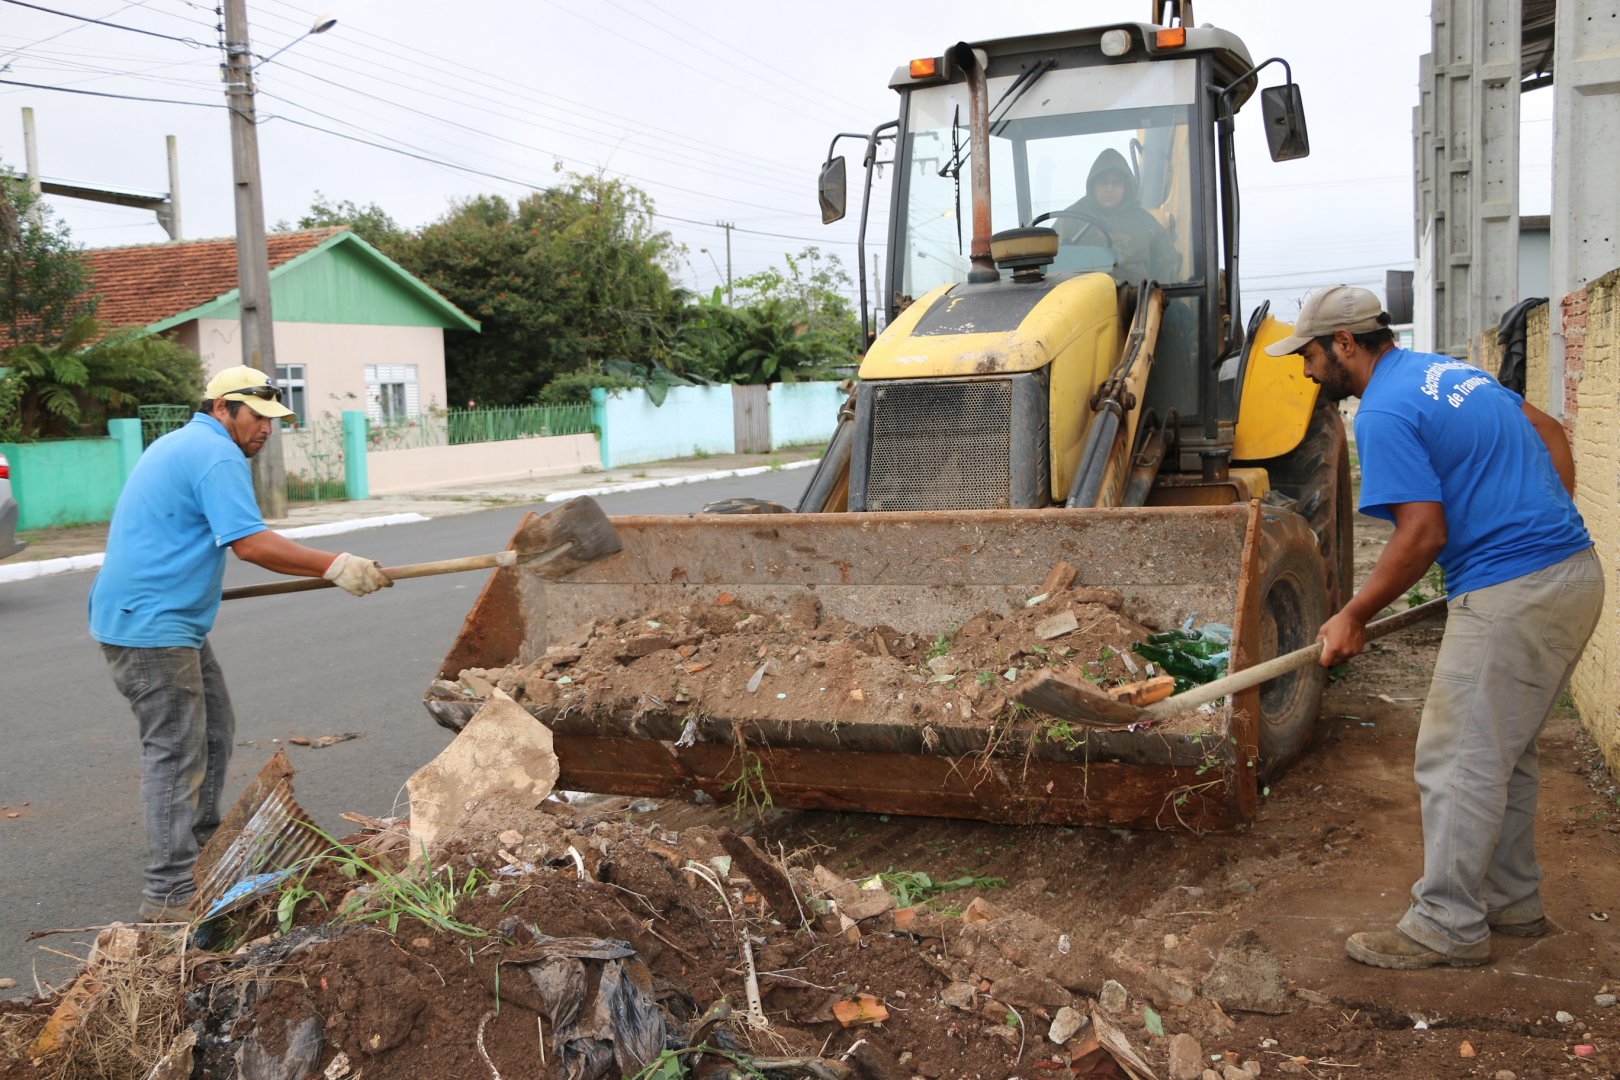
1393,949
1537,927
154,911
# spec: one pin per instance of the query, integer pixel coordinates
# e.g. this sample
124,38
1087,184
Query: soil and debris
799,666
594,938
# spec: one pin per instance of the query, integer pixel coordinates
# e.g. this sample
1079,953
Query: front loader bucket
917,573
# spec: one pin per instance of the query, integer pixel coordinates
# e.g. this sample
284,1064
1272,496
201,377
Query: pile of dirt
634,941
800,667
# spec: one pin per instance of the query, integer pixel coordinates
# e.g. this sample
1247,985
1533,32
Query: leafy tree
810,290
705,337
65,373
576,386
43,278
75,385
769,344
564,279
370,222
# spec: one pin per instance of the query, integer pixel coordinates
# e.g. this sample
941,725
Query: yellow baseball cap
248,385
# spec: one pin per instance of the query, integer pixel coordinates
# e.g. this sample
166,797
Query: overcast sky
721,111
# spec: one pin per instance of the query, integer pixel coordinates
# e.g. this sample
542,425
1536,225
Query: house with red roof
353,328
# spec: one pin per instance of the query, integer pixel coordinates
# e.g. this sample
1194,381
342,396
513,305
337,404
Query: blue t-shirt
1434,429
191,494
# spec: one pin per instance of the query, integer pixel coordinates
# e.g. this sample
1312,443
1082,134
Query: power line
507,88
108,94
421,154
720,56
103,22
475,131
752,90
71,29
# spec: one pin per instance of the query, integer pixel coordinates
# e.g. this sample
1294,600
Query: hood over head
1112,160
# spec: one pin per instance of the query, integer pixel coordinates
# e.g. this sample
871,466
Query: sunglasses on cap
265,392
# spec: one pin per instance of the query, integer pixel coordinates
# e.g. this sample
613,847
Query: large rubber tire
744,505
1293,607
1316,475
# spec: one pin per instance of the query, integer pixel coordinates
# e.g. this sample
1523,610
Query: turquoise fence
315,461
533,421
158,420
461,427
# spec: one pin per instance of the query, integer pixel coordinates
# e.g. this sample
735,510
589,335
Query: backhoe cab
1007,134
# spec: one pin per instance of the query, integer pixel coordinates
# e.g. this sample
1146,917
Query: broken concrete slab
501,762
1247,976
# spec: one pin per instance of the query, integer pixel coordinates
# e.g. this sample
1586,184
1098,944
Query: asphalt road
308,664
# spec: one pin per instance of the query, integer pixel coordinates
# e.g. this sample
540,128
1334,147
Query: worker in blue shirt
153,603
1478,479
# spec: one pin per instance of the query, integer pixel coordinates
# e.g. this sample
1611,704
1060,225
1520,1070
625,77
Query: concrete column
355,430
1586,160
1494,190
127,434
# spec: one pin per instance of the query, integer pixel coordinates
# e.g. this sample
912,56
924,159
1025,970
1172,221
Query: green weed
428,895
749,793
1432,585
911,887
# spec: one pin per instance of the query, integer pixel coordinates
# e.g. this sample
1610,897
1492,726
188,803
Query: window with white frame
294,393
391,393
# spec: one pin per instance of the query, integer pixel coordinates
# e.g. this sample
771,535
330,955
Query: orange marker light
1173,38
924,69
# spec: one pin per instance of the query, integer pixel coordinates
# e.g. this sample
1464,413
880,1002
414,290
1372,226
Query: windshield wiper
1009,97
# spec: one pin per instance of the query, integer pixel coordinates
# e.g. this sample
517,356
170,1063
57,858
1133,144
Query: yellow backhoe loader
1078,387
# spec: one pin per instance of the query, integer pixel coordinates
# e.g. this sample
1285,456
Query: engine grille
940,446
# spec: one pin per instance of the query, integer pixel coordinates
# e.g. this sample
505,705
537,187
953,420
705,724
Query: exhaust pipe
973,61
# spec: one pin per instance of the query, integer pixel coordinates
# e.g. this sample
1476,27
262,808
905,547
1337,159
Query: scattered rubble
799,666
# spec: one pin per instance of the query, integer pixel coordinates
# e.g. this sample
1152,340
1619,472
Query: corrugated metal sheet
265,831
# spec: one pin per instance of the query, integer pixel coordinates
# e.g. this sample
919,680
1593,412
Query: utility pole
252,251
31,163
728,226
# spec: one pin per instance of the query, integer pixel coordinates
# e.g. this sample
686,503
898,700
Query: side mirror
1283,111
831,193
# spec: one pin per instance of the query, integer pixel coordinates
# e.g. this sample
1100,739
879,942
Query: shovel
1081,702
556,543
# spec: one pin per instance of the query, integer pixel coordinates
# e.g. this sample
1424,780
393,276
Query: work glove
356,576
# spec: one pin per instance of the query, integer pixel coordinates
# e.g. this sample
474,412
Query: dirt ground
1234,942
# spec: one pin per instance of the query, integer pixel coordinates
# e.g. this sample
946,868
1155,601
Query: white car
9,544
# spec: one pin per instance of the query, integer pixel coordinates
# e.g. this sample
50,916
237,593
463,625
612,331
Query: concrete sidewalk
80,547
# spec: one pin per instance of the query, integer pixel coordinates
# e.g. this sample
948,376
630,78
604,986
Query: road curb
27,571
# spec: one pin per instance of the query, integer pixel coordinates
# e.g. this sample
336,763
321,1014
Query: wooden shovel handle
1282,665
409,570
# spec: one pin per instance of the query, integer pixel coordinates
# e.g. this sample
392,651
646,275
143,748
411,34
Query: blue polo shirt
1434,429
191,495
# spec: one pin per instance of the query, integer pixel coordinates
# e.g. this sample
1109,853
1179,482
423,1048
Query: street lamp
712,261
321,25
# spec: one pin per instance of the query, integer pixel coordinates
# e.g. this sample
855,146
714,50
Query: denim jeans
186,726
1506,657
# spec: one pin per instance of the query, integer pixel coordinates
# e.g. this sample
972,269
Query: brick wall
1591,320
1592,415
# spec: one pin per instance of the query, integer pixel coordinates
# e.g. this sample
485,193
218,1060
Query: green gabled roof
341,280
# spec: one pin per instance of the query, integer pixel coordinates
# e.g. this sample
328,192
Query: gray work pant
1505,660
183,713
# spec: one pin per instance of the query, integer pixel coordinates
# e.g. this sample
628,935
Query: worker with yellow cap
153,603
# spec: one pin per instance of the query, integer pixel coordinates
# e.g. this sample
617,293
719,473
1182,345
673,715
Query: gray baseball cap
1337,307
